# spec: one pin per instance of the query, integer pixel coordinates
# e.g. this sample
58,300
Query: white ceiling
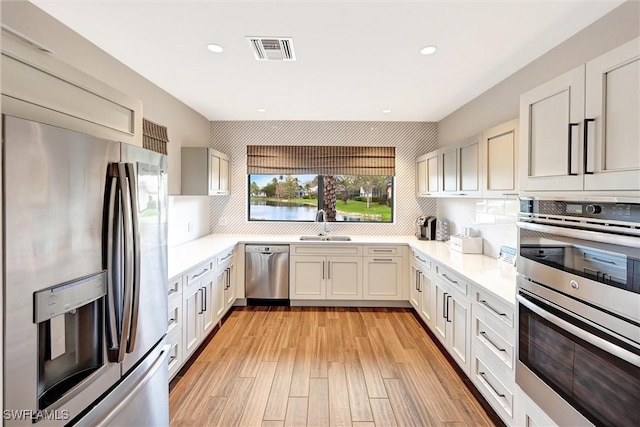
354,58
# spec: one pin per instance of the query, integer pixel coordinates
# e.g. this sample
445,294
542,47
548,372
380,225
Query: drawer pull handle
171,359
172,291
484,377
484,302
226,257
172,321
486,337
449,280
195,276
382,260
420,259
383,250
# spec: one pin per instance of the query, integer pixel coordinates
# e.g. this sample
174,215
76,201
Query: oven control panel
627,212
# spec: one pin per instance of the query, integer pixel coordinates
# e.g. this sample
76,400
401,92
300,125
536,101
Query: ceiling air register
272,48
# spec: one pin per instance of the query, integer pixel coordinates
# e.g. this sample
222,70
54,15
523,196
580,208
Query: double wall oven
578,302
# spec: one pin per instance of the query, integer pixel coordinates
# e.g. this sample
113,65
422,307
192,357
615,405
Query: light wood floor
322,367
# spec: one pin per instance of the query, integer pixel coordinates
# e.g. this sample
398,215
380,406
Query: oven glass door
603,387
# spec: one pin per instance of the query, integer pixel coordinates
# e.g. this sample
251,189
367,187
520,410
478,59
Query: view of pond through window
349,198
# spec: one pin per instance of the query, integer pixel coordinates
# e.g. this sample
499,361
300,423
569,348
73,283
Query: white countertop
497,277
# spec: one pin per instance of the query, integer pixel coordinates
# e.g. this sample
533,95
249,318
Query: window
348,198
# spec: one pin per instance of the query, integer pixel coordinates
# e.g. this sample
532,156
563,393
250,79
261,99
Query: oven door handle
597,236
595,340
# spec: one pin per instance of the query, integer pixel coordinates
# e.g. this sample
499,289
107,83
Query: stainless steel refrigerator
85,283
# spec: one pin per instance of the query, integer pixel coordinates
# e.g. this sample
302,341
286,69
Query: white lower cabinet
493,353
325,277
422,288
383,278
197,299
453,317
529,414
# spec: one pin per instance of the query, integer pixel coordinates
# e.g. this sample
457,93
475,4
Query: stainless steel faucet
321,215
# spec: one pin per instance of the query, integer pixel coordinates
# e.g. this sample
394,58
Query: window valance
154,137
322,160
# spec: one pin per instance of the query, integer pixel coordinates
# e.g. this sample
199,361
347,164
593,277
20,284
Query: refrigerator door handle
112,345
133,195
128,264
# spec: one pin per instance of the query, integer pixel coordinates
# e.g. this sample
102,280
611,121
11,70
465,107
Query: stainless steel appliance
578,303
85,260
426,228
267,274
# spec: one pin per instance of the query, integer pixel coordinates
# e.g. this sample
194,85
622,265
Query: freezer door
141,399
149,207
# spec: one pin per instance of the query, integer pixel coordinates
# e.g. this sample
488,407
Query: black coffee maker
426,228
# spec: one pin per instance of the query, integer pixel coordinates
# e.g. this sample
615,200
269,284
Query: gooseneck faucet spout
321,215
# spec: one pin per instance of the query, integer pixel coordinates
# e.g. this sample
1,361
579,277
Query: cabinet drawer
498,394
323,249
383,250
175,352
175,287
224,257
453,279
174,316
487,340
198,272
495,307
421,259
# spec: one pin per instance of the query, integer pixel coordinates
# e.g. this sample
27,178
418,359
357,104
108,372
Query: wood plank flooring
281,366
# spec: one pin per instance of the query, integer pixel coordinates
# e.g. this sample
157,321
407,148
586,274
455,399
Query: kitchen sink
326,238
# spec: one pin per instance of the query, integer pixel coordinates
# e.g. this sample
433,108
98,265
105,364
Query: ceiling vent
272,48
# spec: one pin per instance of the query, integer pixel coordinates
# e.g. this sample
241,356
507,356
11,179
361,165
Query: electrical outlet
189,226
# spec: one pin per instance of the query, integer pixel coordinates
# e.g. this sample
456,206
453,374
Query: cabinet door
219,284
230,289
214,173
224,176
382,278
432,173
440,321
344,278
427,298
612,125
459,338
470,178
307,277
210,305
499,160
551,118
421,177
191,326
449,170
414,292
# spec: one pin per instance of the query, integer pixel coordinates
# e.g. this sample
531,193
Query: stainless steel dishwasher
267,274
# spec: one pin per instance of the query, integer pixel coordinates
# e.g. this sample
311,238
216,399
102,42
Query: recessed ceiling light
428,50
387,111
262,110
215,48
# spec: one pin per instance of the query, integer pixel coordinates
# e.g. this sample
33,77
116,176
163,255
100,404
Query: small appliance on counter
466,244
426,228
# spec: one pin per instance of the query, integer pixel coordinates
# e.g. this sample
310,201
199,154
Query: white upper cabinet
612,120
461,173
427,175
499,160
580,131
205,172
551,117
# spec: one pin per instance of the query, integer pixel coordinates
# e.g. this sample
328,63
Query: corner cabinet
580,131
205,172
427,175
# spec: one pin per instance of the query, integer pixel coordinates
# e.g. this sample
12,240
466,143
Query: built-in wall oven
578,302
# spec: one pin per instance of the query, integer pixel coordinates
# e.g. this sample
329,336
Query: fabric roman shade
321,160
154,137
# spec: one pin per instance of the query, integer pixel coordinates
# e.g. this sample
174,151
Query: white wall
501,103
409,138
185,126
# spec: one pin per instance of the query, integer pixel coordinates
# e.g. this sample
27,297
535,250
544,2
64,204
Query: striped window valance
154,137
322,160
